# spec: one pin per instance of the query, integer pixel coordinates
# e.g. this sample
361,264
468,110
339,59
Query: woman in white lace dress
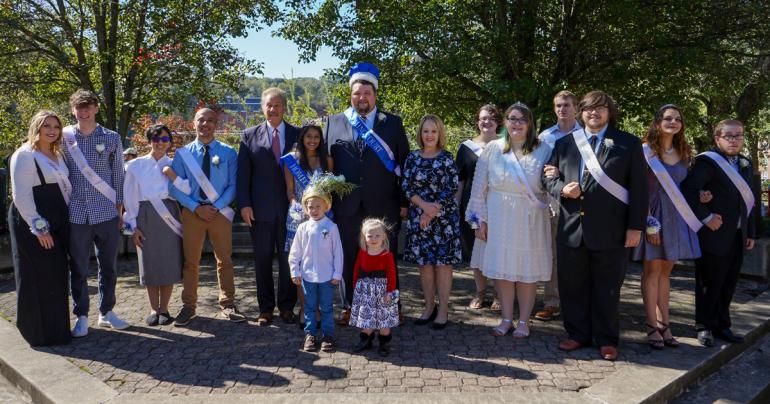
509,208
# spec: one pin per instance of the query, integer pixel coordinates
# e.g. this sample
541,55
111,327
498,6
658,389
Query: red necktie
276,146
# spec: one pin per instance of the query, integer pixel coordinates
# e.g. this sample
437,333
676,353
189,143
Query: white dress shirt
24,178
144,181
281,133
316,252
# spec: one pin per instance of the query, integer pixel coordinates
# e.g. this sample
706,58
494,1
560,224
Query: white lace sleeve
477,204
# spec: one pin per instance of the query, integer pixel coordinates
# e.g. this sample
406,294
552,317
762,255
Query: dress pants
350,233
715,281
551,291
589,286
266,239
220,232
106,236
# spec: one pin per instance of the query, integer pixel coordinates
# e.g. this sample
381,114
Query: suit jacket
596,217
260,183
379,190
727,202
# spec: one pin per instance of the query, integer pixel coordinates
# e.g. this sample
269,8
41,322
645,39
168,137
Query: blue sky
281,57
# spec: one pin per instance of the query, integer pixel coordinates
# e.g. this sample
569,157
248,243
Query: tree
138,55
449,57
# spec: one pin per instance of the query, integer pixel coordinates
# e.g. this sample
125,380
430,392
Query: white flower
215,160
381,116
100,147
743,163
609,143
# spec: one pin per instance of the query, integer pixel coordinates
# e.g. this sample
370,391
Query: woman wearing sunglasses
152,218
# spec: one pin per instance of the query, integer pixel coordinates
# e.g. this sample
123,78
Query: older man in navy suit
368,146
263,203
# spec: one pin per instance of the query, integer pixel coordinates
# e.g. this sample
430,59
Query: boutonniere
100,148
215,160
381,116
474,221
325,232
609,143
743,162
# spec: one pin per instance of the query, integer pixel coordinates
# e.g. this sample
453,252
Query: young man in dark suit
378,192
729,228
263,203
603,212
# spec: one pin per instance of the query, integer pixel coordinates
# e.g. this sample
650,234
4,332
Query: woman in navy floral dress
430,181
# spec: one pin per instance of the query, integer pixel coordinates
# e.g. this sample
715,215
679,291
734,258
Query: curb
637,383
46,377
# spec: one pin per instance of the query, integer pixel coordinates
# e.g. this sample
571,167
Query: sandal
654,343
669,342
501,331
495,306
477,303
520,333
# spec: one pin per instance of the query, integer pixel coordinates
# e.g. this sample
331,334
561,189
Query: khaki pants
551,292
220,232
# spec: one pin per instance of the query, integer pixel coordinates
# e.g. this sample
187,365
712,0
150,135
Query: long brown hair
36,123
531,142
652,137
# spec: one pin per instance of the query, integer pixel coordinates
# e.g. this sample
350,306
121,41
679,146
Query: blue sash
299,174
378,146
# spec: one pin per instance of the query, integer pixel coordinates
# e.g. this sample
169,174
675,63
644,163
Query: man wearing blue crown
369,147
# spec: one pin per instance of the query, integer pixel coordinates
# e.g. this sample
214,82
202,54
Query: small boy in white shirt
315,261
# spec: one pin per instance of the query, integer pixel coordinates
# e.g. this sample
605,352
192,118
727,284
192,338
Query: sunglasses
164,139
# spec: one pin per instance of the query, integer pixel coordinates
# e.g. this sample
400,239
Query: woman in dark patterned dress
433,229
489,119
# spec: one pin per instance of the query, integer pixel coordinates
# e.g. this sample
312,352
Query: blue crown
364,71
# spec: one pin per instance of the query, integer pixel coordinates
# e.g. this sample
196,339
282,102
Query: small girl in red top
374,283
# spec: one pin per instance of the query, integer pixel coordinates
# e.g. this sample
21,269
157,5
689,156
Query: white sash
592,163
521,181
475,148
203,182
64,183
68,133
166,215
672,190
735,177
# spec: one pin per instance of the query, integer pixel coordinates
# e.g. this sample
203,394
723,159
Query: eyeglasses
597,108
732,138
164,139
513,119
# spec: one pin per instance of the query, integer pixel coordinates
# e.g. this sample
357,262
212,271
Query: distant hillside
319,93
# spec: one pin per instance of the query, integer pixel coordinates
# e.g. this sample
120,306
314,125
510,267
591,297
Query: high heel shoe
654,343
669,342
423,321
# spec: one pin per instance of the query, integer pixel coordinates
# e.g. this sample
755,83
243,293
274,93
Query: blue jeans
319,296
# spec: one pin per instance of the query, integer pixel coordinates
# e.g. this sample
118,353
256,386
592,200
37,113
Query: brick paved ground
215,356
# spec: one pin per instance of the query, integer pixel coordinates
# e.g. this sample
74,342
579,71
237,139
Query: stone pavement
213,356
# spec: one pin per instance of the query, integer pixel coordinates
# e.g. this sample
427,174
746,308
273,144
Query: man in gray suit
372,161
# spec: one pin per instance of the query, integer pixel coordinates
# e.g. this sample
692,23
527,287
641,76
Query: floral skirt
369,310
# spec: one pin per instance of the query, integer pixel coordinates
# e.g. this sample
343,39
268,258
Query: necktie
206,166
276,145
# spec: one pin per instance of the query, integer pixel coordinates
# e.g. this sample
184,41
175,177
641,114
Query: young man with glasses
729,228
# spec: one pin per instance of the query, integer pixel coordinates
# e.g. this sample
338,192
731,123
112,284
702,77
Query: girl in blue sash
668,238
309,157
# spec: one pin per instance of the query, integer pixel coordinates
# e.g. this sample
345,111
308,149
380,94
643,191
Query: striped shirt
87,204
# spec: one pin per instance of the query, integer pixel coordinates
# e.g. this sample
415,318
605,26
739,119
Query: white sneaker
81,327
112,321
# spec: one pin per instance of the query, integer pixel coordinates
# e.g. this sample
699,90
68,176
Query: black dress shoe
439,326
705,338
727,335
364,342
423,321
